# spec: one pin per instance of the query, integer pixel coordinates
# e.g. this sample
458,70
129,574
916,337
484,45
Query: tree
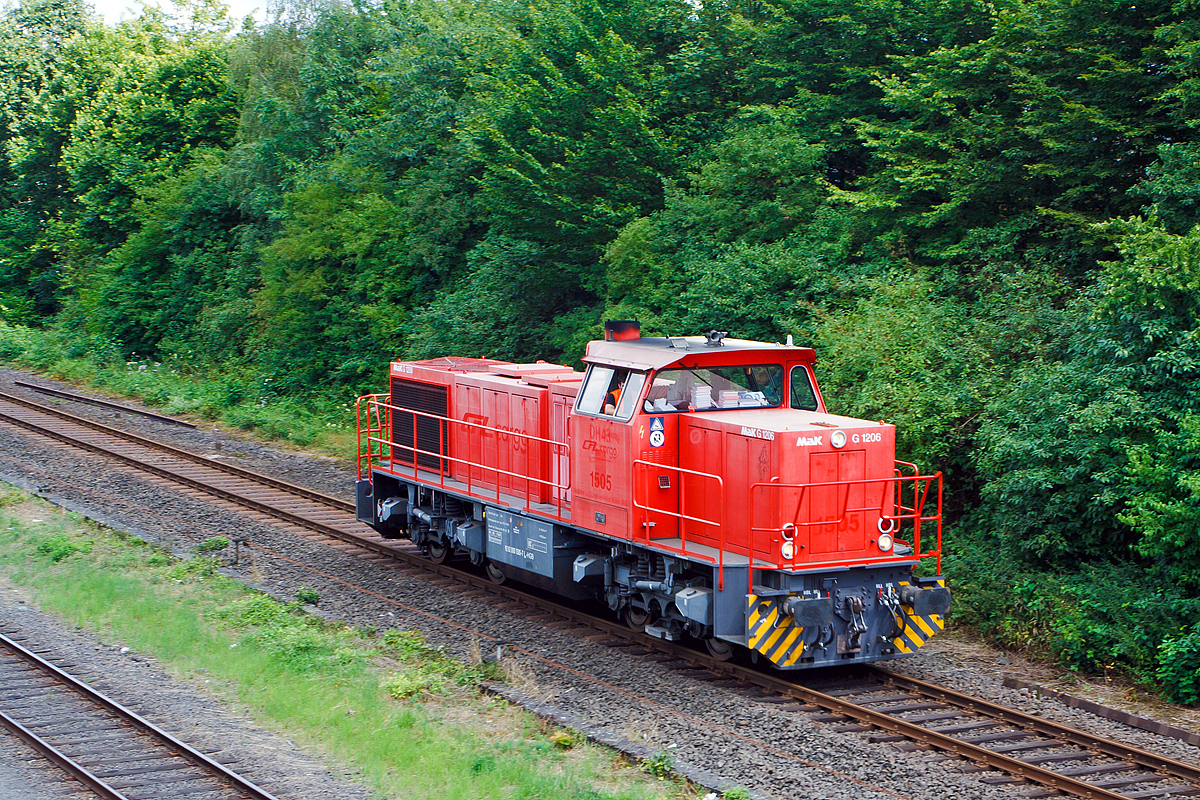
1151,309
1012,145
38,40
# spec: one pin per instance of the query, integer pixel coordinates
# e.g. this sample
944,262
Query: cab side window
610,392
595,389
803,395
616,390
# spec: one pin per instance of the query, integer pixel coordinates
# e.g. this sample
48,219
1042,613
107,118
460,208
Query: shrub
199,568
255,610
567,739
302,649
411,644
1123,616
1179,667
306,595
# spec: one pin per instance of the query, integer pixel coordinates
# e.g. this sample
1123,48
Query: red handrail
376,444
387,440
643,469
900,513
372,411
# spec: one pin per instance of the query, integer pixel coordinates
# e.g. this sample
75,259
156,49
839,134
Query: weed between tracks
402,714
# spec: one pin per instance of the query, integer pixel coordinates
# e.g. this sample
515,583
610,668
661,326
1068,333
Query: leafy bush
308,596
301,649
1106,616
1179,667
407,684
410,644
567,739
254,610
429,669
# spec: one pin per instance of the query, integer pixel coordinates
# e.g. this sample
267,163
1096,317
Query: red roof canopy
652,353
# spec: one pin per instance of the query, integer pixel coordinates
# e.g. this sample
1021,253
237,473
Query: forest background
982,214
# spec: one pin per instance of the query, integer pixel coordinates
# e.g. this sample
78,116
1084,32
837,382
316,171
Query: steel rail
1063,733
164,472
166,740
267,480
941,741
367,539
911,730
95,401
60,759
776,685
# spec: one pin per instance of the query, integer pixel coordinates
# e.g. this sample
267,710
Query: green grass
404,716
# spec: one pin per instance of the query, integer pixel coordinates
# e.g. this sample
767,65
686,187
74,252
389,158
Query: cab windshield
752,386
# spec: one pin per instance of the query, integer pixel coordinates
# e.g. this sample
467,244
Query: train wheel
719,649
439,552
494,574
636,618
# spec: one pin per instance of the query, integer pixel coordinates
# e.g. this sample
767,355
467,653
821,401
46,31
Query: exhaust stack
616,330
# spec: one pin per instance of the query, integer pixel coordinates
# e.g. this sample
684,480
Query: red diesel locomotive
697,485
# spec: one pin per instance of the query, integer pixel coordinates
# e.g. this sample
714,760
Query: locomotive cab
697,485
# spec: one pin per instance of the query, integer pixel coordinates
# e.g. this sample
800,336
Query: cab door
602,451
655,487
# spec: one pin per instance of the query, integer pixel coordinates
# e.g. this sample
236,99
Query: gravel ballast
726,737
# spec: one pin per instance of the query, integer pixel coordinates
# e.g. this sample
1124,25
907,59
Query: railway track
883,706
970,721
106,747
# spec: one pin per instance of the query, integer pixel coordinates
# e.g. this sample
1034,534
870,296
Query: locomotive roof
656,352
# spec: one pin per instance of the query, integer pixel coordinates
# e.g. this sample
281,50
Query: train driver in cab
767,379
613,398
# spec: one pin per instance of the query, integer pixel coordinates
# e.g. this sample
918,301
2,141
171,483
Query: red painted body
739,480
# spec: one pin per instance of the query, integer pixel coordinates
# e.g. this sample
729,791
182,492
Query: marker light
885,542
838,439
787,549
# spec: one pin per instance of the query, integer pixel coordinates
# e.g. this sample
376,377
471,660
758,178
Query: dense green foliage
983,215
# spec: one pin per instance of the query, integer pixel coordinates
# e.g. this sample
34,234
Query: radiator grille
432,436
660,455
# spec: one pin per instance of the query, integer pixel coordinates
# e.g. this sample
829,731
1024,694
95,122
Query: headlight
885,542
787,549
838,439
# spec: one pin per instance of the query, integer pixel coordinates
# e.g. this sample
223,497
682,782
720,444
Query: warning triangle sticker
656,424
